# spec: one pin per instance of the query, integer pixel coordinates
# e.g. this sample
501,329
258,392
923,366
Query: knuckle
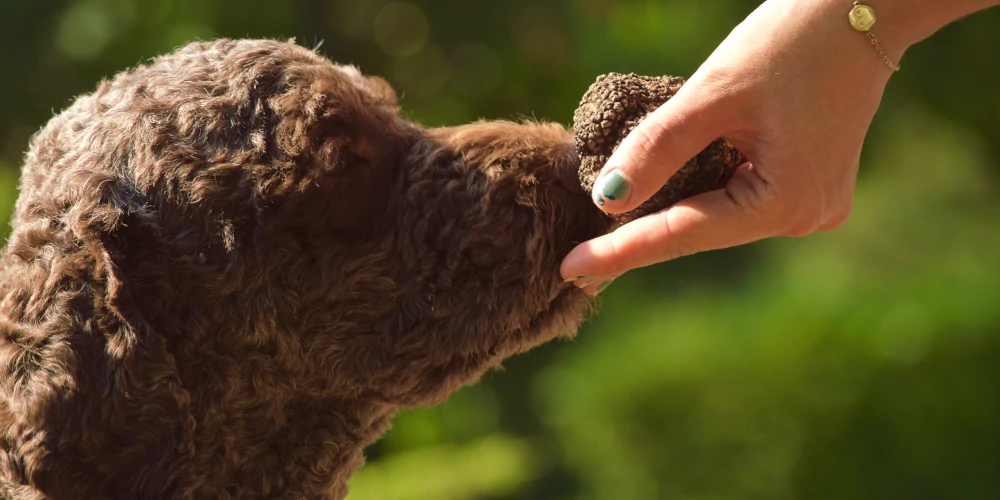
647,139
752,193
792,214
619,248
660,242
676,245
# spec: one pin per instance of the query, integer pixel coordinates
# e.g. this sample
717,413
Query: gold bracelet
862,18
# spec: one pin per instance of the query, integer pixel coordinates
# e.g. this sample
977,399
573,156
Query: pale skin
795,89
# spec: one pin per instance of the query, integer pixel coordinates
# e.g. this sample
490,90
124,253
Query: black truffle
612,107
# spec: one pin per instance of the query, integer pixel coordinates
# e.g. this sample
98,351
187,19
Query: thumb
657,148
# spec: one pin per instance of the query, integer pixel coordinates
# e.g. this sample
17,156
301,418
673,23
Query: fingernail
589,282
612,187
605,285
567,280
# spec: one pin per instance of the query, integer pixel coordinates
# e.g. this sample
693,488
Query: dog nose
567,171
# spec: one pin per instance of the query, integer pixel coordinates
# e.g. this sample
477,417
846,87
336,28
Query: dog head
241,251
282,198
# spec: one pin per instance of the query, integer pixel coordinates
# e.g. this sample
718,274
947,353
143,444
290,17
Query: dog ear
109,413
146,420
94,406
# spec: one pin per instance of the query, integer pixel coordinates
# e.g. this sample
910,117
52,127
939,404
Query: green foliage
860,363
494,464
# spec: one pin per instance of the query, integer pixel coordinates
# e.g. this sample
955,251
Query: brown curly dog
231,267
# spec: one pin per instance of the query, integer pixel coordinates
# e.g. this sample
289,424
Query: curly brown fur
230,268
612,107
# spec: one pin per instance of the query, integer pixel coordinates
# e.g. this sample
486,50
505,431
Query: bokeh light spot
401,29
354,19
476,70
423,74
84,30
542,40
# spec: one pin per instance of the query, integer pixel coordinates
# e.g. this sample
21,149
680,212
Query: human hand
795,89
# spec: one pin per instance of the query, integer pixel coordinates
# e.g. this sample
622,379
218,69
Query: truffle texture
612,107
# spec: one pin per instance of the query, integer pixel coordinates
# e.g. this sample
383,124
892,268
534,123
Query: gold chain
862,18
888,62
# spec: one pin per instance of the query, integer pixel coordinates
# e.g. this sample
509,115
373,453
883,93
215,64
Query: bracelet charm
862,17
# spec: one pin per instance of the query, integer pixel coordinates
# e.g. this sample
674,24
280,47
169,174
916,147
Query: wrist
871,49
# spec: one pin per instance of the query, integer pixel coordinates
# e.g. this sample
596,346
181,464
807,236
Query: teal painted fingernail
604,285
615,187
567,280
589,282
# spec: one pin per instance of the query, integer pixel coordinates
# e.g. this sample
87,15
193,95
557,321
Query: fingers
747,210
662,143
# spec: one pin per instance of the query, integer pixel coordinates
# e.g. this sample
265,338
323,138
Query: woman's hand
795,89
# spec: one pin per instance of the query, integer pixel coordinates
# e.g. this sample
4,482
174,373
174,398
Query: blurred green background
861,363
